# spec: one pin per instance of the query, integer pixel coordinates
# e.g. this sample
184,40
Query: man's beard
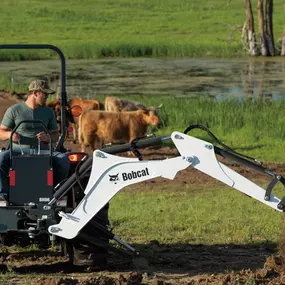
42,104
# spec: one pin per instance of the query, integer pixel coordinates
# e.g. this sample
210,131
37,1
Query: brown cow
98,126
55,105
76,101
85,105
114,104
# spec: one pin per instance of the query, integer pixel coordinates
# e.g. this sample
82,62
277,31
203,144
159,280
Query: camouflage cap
40,85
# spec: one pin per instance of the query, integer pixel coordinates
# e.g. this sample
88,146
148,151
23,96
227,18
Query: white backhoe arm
111,173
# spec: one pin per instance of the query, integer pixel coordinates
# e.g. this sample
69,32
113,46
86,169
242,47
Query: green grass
253,128
193,214
6,83
124,28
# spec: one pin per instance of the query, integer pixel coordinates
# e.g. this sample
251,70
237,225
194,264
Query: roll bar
63,96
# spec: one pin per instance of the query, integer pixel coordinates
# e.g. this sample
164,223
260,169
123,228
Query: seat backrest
31,179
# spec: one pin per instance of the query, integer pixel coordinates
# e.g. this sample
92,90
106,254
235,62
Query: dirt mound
168,265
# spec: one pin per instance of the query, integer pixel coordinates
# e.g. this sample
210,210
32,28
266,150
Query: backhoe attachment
110,174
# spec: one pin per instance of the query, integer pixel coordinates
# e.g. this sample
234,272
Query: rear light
69,129
12,177
76,157
50,178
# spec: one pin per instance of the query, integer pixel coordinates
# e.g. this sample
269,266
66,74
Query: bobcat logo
114,178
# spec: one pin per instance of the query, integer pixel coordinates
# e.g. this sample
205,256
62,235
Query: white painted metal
108,176
205,160
111,173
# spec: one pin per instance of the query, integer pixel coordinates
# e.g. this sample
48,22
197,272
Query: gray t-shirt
27,131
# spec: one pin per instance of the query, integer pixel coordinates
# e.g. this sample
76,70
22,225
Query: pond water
257,78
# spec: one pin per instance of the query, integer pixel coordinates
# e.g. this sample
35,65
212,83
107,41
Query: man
30,137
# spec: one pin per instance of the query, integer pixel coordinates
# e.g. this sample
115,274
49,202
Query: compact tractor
35,211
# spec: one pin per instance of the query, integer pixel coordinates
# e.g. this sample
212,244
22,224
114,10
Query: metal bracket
270,187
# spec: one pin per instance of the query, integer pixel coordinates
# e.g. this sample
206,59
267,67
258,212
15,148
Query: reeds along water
256,120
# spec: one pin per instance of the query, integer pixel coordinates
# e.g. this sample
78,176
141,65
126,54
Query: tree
269,27
263,44
249,30
265,28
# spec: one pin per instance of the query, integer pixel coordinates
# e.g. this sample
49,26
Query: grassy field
124,28
193,214
202,213
250,127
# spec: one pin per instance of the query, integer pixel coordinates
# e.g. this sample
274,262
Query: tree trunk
283,43
269,27
263,45
251,38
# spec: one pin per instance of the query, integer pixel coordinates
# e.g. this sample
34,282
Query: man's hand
43,137
16,137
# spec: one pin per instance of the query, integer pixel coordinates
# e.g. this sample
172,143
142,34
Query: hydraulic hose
86,166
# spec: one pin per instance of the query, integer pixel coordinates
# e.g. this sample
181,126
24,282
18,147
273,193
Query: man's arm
5,134
54,135
7,125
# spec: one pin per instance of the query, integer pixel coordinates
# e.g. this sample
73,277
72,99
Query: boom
112,173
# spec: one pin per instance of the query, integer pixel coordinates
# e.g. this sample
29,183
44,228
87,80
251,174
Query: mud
173,264
168,264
